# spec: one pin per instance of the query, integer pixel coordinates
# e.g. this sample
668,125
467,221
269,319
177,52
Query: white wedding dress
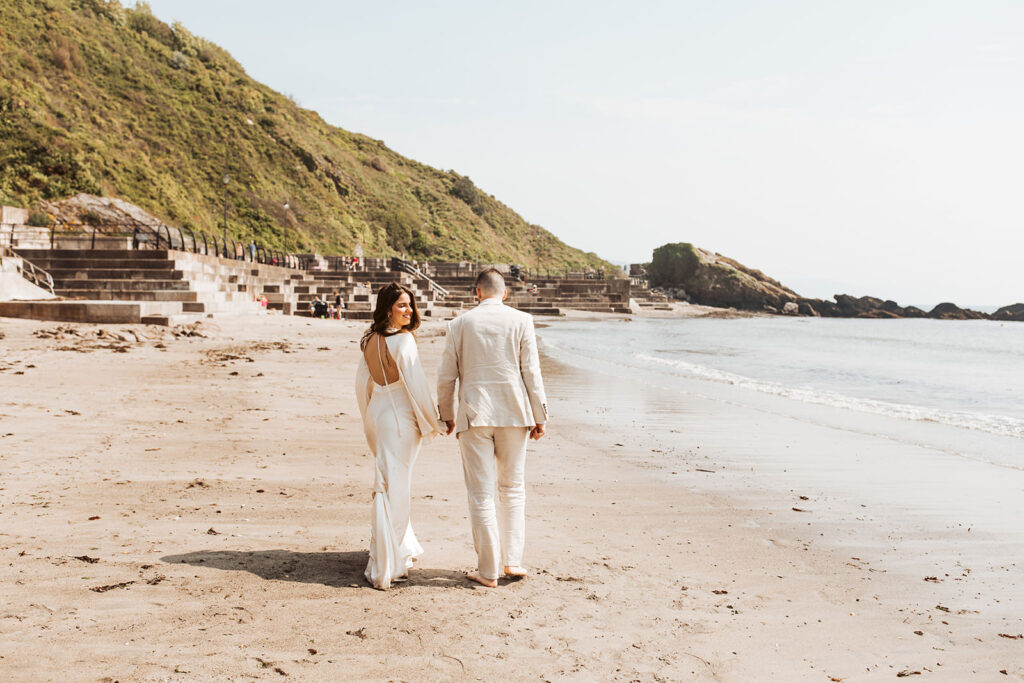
396,419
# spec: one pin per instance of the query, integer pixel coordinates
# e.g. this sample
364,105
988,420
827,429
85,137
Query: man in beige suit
491,352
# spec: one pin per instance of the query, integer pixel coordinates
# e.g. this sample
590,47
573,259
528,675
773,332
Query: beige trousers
495,458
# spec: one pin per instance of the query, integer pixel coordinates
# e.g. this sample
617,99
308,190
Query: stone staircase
163,286
646,298
553,294
358,289
170,283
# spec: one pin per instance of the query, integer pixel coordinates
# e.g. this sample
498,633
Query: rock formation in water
690,273
1011,312
846,306
697,275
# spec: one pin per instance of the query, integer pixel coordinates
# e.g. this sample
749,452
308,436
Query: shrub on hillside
186,43
179,60
92,218
111,9
673,264
38,219
142,20
464,189
401,226
64,53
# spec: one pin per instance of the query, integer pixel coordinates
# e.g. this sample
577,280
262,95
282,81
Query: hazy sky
859,147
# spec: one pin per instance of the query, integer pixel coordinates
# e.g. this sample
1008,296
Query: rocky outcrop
87,209
948,311
1011,312
722,281
677,293
804,307
858,307
847,306
715,280
702,277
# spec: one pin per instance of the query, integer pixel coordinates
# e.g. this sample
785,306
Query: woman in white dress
399,412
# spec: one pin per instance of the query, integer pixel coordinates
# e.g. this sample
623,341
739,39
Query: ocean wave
994,424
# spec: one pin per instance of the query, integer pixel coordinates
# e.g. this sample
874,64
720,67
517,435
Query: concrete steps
129,255
88,273
153,284
90,311
60,264
127,295
539,310
347,315
199,284
552,295
66,284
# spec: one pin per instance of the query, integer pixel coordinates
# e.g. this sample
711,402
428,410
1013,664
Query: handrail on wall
172,237
28,270
406,267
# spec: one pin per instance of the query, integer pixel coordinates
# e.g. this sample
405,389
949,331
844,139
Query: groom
492,352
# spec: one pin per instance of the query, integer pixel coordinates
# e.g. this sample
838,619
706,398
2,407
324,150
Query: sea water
965,375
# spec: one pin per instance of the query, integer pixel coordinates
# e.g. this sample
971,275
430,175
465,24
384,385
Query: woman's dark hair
386,298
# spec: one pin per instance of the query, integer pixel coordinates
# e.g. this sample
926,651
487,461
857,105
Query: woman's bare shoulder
371,342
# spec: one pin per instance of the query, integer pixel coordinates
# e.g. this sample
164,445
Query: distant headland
683,271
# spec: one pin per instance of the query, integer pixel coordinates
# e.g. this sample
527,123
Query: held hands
537,432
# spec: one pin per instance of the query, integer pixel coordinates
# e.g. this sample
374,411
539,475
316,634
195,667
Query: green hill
99,98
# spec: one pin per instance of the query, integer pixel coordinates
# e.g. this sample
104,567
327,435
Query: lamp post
224,220
284,228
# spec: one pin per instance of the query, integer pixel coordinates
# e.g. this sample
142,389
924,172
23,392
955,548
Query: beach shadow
338,570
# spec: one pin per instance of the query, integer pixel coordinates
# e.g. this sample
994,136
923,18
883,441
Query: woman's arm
407,358
364,390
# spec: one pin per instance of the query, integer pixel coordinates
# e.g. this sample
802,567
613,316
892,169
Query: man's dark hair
490,281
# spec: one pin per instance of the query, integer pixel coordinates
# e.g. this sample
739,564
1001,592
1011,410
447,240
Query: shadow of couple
336,569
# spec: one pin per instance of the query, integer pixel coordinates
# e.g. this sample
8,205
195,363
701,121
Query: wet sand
197,508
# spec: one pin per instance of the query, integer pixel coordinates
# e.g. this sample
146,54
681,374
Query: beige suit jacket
491,352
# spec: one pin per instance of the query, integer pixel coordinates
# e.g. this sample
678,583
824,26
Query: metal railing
165,236
28,270
344,264
64,229
399,265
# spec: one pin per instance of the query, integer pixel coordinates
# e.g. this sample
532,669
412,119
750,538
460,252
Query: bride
398,412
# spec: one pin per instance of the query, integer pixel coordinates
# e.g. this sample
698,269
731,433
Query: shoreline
228,478
888,495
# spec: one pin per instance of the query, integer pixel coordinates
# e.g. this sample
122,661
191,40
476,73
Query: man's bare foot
475,576
515,570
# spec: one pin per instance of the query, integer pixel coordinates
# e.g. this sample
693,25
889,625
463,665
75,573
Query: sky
861,147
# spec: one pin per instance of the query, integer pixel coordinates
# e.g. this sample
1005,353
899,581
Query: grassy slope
103,99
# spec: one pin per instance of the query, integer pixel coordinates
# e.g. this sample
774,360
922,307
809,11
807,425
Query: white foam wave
994,424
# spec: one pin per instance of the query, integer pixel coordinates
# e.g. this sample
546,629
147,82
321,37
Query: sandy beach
197,508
